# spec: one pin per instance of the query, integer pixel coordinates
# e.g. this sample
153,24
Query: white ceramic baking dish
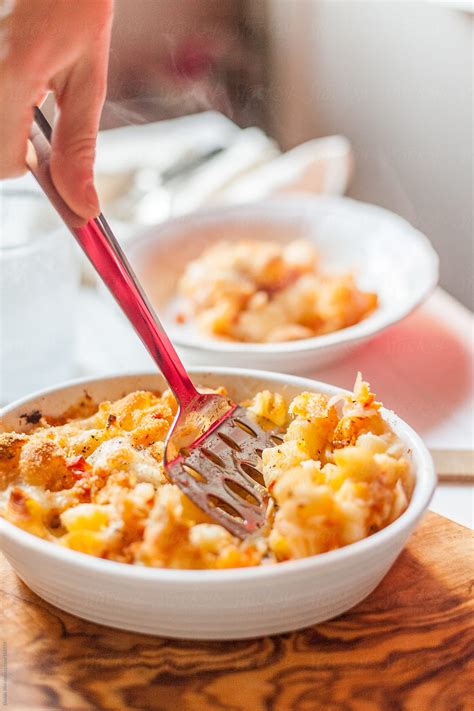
202,604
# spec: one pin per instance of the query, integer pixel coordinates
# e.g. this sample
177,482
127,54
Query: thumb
80,104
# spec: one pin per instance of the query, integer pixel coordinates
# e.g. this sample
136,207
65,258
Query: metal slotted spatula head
212,452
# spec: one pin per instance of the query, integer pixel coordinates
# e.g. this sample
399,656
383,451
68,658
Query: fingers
80,102
16,115
21,82
63,46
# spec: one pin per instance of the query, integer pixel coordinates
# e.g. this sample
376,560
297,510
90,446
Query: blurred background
224,102
218,102
394,77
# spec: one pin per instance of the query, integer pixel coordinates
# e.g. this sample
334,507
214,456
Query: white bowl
209,604
387,254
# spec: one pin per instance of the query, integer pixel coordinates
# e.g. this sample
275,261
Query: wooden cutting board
409,646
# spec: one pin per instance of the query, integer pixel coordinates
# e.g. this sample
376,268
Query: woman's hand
62,46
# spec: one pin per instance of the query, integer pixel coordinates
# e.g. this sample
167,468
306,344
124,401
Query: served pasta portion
93,481
262,292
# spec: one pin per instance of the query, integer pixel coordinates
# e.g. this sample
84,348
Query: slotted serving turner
212,450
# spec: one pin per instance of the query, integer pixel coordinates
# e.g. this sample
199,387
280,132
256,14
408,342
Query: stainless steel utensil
212,450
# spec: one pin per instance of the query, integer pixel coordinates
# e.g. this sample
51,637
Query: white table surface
422,368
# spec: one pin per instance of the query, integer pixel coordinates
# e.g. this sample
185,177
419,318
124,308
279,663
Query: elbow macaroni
259,291
96,484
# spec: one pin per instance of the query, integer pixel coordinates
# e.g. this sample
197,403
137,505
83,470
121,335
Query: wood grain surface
409,646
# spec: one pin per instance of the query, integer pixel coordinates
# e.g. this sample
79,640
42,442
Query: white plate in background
385,252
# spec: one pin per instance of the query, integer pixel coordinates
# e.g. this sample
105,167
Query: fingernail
91,197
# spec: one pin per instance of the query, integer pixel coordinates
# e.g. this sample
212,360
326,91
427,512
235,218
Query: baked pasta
263,292
93,481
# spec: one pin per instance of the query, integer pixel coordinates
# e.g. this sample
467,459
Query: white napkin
214,162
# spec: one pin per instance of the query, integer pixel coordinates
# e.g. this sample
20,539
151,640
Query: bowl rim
364,329
422,494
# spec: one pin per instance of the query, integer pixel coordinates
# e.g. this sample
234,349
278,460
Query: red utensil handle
104,252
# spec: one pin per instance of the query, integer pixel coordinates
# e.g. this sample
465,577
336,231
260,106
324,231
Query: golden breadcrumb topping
263,292
97,484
